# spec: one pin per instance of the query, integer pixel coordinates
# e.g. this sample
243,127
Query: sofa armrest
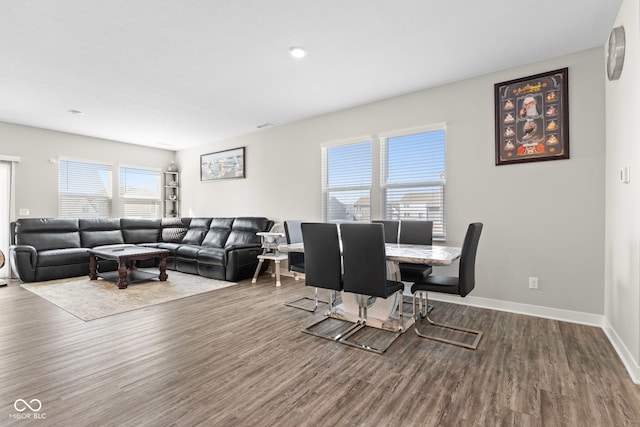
238,246
24,259
242,260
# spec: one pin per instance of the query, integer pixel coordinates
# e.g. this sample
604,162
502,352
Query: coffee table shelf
133,276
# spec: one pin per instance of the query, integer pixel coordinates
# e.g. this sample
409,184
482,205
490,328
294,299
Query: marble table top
399,252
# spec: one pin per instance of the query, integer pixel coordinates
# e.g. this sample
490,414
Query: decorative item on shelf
173,197
173,183
172,167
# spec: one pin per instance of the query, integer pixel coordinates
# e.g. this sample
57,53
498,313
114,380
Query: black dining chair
461,285
293,233
365,274
323,269
415,233
391,229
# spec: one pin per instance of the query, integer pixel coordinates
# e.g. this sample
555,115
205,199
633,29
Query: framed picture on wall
222,165
532,118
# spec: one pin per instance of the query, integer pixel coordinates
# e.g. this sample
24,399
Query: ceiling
177,74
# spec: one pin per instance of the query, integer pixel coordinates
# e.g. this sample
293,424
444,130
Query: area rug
94,299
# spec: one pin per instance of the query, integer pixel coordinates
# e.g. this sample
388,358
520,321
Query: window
406,181
413,177
85,189
139,193
346,184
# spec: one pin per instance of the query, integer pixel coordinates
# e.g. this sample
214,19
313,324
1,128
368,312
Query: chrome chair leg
424,314
315,299
328,316
362,323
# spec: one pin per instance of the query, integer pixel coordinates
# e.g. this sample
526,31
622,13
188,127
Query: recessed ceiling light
75,112
297,52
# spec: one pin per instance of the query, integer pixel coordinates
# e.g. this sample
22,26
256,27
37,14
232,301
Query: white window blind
347,182
85,189
140,193
413,177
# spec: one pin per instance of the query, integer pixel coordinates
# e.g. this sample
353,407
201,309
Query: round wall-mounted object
615,53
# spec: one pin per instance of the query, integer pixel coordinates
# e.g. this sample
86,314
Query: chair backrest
293,233
364,258
323,267
467,272
391,229
416,232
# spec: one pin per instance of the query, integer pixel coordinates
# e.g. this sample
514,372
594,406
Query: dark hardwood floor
237,356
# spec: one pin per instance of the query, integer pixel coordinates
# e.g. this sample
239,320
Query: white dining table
382,313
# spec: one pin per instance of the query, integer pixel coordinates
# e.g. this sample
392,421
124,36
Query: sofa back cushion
47,233
140,230
218,233
174,229
198,228
244,230
97,232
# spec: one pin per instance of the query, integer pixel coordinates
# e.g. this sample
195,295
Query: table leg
163,267
122,273
278,273
92,267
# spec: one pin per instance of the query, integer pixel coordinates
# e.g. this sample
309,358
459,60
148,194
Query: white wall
622,254
541,219
37,178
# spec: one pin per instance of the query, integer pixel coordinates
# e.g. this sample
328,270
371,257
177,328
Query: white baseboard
627,358
528,309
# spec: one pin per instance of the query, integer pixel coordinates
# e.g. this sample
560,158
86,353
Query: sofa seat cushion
188,251
114,246
150,245
213,256
171,247
56,257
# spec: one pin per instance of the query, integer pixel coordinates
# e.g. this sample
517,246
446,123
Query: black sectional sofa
55,248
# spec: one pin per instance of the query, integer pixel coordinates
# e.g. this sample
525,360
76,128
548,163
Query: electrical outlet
533,283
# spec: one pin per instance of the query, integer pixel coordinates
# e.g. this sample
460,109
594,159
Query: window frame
326,189
384,172
123,197
109,205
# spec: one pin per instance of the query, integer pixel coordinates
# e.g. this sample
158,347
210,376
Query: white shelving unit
171,194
